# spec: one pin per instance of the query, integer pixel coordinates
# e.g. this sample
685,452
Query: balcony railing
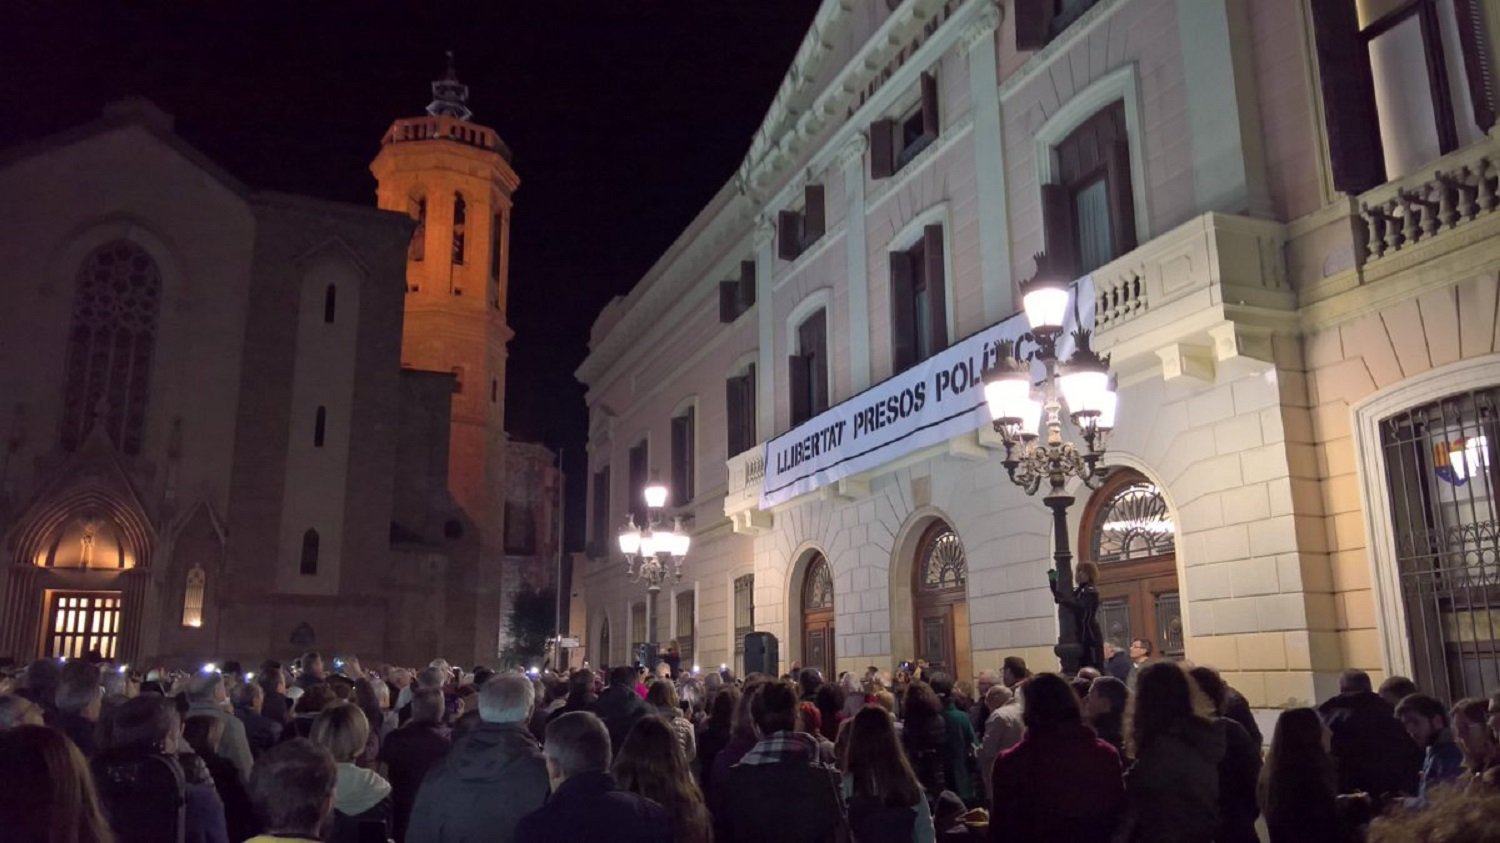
747,474
1459,189
446,128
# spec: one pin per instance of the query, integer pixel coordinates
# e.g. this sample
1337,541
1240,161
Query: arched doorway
817,616
940,606
1127,529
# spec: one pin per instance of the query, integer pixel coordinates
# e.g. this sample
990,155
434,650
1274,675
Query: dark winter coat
783,797
1173,789
592,807
1372,751
490,779
1038,783
409,754
1239,773
619,707
927,748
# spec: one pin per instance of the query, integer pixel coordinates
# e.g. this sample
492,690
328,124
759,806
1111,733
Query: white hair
506,699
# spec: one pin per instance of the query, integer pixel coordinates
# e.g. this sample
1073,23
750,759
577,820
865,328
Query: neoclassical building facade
1281,216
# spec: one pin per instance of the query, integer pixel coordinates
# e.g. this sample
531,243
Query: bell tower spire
450,97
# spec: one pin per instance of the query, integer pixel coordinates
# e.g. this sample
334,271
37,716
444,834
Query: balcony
747,473
1211,289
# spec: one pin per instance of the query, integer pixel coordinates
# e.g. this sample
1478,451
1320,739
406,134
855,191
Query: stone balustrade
1458,190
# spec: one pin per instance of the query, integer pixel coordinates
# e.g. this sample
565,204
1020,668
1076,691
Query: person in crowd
203,733
990,746
146,773
551,693
650,763
782,770
1104,708
274,703
810,722
885,800
47,794
312,670
587,803
854,694
361,797
1013,671
716,731
830,702
1426,721
306,709
206,695
673,659
1297,786
1037,782
292,791
369,703
619,706
119,686
1481,751
979,712
1084,598
39,684
960,767
886,700
1397,688
581,696
1372,752
1116,660
261,732
1140,653
456,801
924,736
410,751
79,700
662,697
1239,769
809,680
1173,789
17,711
742,738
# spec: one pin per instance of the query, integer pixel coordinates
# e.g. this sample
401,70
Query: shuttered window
684,457
639,466
1039,21
807,370
1088,212
737,296
599,518
739,403
798,229
919,302
895,141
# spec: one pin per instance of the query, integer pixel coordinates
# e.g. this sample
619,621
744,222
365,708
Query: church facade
242,423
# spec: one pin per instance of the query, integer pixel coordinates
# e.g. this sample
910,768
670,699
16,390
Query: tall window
817,616
739,403
460,220
1444,478
684,455
895,141
1088,212
1039,21
192,597
737,296
309,562
80,622
417,249
807,370
110,346
1404,81
798,229
919,301
687,622
330,302
496,228
599,524
639,468
744,617
1128,530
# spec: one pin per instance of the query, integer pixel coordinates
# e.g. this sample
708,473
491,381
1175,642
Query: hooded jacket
493,776
1173,789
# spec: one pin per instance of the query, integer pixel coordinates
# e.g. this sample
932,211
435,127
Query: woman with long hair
1037,783
662,695
924,736
715,733
1297,788
1173,789
886,802
650,763
46,791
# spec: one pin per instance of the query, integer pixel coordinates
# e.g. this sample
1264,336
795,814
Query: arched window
1134,524
417,250
192,598
320,426
817,592
944,566
460,216
817,616
110,346
940,592
330,302
310,553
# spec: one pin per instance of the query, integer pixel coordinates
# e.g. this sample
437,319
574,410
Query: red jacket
1060,785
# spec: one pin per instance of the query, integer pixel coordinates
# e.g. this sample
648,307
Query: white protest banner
928,404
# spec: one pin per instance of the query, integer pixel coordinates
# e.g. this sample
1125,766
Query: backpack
144,796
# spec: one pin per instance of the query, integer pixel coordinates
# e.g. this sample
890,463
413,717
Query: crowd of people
1146,751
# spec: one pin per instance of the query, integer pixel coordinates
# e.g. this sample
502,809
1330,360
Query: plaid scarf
782,747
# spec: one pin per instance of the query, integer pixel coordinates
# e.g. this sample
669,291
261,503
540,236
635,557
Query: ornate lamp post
1028,418
653,555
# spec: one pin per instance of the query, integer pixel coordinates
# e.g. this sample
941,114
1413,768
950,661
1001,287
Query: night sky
624,116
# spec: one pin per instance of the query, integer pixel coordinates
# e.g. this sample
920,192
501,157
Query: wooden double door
817,617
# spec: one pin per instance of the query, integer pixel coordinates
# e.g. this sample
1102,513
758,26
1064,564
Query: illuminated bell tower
454,177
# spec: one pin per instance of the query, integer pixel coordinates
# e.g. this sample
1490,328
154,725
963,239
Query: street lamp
1028,418
653,555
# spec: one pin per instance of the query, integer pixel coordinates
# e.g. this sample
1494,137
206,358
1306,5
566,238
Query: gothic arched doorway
817,616
940,604
1128,530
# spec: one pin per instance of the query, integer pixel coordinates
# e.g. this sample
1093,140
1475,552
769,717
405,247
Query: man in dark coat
1116,660
586,802
1374,754
490,779
781,792
620,706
